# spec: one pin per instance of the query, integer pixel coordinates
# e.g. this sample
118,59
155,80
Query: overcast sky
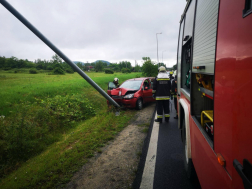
90,30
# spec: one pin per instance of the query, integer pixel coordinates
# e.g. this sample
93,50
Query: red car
132,93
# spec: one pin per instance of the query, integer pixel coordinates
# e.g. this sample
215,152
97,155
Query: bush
33,71
58,71
58,66
149,69
108,71
7,68
49,68
68,108
44,71
31,130
69,70
21,70
116,69
126,70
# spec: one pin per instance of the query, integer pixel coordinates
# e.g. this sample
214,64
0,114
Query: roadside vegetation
52,120
51,124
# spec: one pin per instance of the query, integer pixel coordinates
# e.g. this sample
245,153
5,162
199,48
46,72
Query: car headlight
129,96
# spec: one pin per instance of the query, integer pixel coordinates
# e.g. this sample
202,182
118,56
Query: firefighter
161,91
116,82
174,93
171,77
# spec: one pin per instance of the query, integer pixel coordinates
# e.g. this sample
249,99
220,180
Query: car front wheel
139,104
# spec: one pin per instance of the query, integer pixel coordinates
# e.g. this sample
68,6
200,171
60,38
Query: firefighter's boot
158,120
167,119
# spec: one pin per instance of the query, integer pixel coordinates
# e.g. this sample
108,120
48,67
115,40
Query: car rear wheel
139,104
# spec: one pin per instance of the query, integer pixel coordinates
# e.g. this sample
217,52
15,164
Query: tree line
56,61
100,66
149,68
13,62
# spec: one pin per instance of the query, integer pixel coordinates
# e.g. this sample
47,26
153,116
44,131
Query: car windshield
132,84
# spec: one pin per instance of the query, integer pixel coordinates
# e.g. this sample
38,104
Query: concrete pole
56,50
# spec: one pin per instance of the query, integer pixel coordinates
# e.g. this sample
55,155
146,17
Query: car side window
146,83
111,86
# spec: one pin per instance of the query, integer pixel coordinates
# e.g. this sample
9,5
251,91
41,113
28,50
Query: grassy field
58,140
16,88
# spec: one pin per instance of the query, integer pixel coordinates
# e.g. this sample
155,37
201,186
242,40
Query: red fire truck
214,71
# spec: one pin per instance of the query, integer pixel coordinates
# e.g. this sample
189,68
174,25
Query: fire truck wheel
191,174
139,104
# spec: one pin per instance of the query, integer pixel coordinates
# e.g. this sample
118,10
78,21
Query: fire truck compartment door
204,46
180,55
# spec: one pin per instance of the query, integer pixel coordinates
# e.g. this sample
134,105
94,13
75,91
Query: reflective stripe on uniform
167,115
162,97
153,91
175,96
160,79
159,116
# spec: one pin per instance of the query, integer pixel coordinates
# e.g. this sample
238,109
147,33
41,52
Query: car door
147,91
111,86
151,86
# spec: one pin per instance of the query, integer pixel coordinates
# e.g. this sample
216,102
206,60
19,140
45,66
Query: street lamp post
157,47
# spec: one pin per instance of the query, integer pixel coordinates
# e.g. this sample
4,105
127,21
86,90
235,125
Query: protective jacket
174,88
116,84
162,86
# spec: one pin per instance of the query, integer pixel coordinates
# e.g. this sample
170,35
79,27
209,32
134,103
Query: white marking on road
150,163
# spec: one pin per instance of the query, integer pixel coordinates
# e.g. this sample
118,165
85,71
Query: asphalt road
169,166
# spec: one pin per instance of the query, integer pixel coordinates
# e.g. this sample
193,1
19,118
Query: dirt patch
116,166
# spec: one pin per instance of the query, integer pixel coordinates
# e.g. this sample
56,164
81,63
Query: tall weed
36,125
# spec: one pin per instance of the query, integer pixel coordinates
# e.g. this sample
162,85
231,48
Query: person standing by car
174,93
161,91
116,82
171,77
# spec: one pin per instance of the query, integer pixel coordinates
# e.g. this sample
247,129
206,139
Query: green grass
16,88
77,142
146,127
60,161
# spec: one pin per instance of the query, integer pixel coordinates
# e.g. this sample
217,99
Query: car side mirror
145,88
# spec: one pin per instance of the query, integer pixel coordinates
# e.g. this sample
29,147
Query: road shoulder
116,166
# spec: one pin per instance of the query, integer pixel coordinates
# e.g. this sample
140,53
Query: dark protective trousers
163,107
175,104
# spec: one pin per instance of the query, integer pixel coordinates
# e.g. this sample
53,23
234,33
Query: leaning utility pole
56,50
